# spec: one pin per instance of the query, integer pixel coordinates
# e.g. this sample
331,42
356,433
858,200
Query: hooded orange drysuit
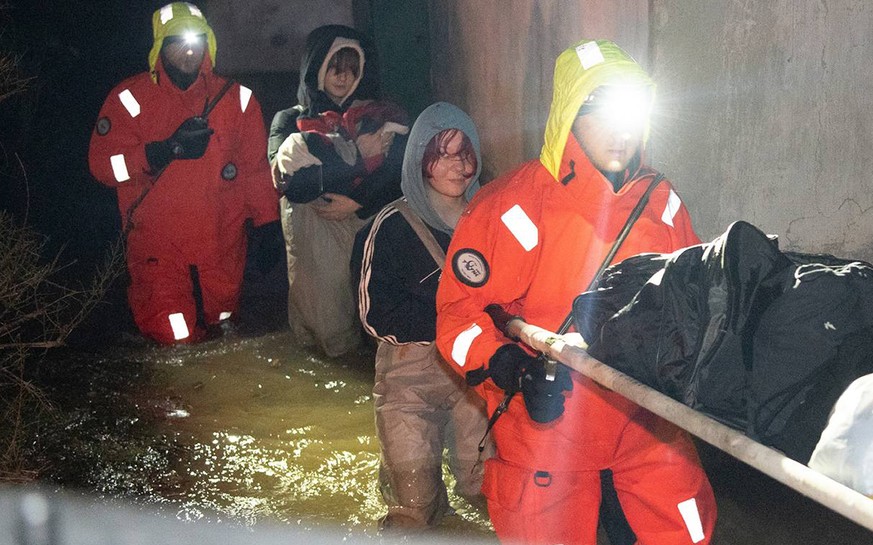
193,212
531,241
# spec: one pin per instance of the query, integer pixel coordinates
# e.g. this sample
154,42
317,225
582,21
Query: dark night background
73,54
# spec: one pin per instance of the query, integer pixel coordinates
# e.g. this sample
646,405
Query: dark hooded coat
371,188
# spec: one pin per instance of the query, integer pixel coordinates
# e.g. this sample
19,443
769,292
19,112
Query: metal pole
570,350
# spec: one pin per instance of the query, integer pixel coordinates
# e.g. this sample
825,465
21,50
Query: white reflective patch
245,94
463,342
522,228
119,168
195,11
166,13
224,315
672,208
691,516
180,328
589,54
129,102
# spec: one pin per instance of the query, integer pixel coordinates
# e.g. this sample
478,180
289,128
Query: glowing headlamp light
191,38
621,106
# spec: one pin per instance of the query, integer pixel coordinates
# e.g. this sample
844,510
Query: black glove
189,141
543,398
191,138
505,368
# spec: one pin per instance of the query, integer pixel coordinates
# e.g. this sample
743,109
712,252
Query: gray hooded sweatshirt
432,121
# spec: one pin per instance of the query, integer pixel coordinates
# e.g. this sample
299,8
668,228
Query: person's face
452,173
338,81
185,53
609,148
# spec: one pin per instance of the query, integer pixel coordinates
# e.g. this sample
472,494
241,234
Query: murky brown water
256,430
250,430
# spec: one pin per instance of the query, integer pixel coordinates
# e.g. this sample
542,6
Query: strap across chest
422,231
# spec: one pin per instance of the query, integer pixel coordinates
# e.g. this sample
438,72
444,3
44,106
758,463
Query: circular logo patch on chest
470,267
103,126
229,171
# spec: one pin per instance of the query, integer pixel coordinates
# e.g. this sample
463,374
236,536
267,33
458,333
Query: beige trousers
321,303
423,407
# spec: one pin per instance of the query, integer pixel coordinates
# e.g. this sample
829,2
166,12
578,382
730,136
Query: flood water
234,430
255,430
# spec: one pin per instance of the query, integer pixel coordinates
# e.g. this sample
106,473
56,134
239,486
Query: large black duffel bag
762,340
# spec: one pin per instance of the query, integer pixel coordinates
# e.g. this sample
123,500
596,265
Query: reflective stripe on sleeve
521,227
245,94
224,315
180,328
463,342
129,102
119,168
691,516
672,208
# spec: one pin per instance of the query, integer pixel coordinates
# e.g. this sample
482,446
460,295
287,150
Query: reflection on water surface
240,431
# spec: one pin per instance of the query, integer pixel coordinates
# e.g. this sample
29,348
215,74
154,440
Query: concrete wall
268,35
766,109
773,117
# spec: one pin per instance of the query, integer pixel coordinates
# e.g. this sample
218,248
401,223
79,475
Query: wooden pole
570,350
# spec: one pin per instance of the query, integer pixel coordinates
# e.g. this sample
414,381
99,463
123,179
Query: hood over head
178,19
433,120
579,70
321,44
338,44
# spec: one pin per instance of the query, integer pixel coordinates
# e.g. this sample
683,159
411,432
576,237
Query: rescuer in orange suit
187,179
531,241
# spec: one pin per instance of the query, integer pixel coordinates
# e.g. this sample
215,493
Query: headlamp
620,106
191,38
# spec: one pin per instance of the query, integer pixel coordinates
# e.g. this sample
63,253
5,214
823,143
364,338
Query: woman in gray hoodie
422,406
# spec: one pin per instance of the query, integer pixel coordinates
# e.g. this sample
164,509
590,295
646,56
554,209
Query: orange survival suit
193,213
531,241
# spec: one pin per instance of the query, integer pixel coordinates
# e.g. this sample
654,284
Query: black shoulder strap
631,220
210,105
622,235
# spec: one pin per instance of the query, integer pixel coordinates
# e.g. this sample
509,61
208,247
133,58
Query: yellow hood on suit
581,68
178,19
